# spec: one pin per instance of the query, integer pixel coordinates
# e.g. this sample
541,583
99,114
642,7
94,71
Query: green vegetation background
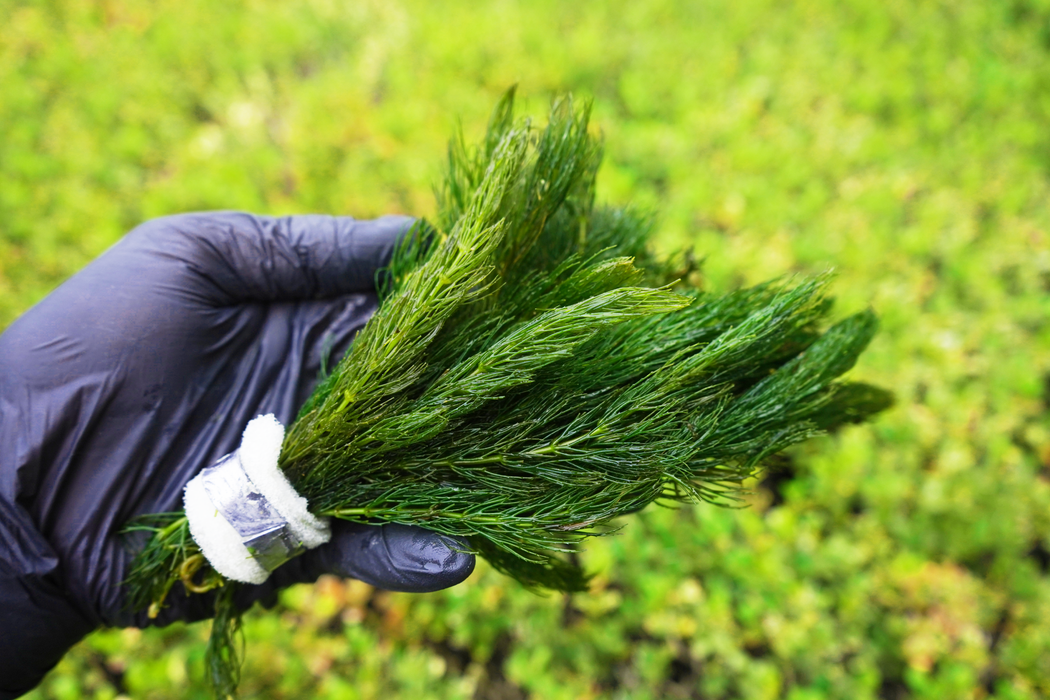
904,143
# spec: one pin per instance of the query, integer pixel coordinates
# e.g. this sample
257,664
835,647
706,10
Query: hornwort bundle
535,371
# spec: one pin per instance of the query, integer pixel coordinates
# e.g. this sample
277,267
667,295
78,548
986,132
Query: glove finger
391,557
232,257
402,558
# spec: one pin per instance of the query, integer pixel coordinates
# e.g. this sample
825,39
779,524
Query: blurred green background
904,143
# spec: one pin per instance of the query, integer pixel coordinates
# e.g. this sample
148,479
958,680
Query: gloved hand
143,369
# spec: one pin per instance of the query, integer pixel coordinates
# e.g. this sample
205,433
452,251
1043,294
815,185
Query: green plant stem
420,514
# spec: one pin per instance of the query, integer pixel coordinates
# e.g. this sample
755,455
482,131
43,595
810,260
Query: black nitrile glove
145,368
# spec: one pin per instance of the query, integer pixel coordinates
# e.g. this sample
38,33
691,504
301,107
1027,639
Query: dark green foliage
225,645
521,386
166,547
518,388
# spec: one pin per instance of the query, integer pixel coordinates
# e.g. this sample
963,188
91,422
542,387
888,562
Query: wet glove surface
143,369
